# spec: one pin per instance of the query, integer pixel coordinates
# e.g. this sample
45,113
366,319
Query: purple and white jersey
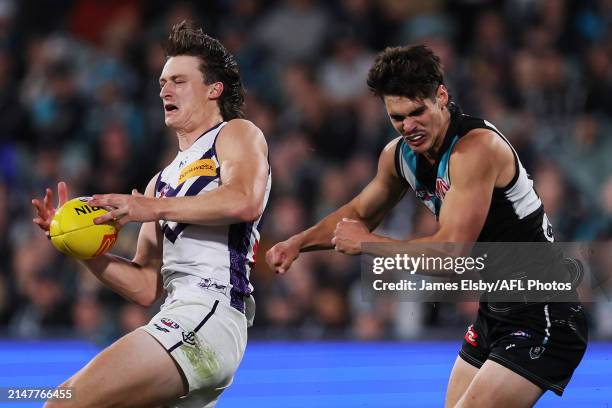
215,257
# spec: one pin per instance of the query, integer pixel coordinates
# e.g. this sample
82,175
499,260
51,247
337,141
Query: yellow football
74,233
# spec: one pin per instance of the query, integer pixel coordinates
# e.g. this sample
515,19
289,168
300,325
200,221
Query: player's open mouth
170,107
416,137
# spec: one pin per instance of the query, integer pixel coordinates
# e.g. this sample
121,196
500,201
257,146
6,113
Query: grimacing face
420,122
184,94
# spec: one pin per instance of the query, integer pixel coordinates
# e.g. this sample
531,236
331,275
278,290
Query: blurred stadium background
79,102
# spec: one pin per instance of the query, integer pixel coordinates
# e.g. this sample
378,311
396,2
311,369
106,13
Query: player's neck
186,137
432,154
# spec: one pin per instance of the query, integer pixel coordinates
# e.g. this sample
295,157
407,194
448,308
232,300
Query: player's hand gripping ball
74,233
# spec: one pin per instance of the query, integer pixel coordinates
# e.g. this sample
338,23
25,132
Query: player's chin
170,121
422,146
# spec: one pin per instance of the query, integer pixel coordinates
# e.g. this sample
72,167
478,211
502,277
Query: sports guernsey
217,258
516,213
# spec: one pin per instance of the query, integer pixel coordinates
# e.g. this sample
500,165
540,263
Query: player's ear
215,91
442,94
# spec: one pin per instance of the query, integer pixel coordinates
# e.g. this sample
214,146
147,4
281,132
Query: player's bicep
383,192
242,151
150,239
464,213
467,202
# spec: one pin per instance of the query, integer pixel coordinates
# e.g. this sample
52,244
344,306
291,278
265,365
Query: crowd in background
79,101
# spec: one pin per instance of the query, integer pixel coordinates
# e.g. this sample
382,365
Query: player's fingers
111,216
121,222
136,193
333,240
98,200
48,199
42,224
39,206
285,265
271,258
62,193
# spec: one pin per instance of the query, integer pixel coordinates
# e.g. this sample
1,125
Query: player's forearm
222,206
319,236
125,277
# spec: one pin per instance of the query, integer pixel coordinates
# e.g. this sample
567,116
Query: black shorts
543,342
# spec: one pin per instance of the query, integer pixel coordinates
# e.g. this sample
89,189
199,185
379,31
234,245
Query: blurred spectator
305,20
79,98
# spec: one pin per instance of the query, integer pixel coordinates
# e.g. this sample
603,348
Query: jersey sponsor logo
536,351
203,167
471,335
441,188
161,329
189,338
169,323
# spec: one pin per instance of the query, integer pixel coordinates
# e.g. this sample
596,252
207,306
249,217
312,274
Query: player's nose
165,91
409,126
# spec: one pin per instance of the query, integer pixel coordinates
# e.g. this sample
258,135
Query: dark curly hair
216,64
411,71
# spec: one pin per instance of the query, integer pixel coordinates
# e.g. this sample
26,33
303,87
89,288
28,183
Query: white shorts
207,338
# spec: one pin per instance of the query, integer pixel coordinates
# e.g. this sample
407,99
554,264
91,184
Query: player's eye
417,112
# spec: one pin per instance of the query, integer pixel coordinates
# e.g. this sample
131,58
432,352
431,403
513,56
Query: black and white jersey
516,213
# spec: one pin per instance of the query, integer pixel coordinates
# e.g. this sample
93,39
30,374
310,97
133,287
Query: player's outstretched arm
243,155
362,214
138,280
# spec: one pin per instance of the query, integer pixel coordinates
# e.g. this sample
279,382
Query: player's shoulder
390,148
481,149
241,135
243,126
240,132
478,141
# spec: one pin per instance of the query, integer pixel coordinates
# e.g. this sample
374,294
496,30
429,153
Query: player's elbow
147,294
146,298
457,235
248,212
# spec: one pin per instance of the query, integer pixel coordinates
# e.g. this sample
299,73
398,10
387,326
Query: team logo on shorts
169,323
189,338
536,352
522,334
161,329
471,335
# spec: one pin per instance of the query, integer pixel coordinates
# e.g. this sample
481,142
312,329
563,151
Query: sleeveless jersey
221,256
516,213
